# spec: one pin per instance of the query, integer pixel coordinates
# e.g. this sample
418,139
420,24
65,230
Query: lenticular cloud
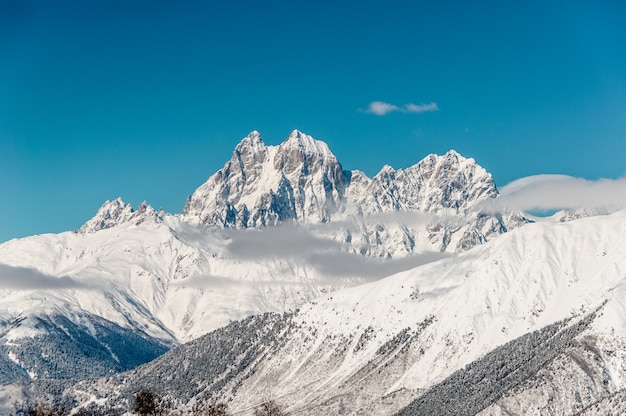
547,192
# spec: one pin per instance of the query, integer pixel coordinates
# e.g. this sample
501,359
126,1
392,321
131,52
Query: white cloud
213,282
322,254
381,108
285,241
421,108
550,192
22,278
333,264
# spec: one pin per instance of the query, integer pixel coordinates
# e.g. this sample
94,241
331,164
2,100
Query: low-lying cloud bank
355,265
22,278
287,241
323,254
554,192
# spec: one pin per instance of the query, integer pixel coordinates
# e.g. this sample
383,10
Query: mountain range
287,276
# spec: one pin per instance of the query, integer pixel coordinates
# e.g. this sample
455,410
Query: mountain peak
116,212
306,144
296,133
253,140
251,147
109,215
453,154
455,157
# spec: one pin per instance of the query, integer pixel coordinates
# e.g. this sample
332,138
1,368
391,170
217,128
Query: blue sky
145,100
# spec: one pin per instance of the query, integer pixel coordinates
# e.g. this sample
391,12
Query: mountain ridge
301,181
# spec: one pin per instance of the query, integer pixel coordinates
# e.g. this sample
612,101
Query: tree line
147,403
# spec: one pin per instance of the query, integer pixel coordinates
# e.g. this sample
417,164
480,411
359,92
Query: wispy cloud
327,256
282,241
208,281
421,108
213,282
381,108
355,265
550,192
21,278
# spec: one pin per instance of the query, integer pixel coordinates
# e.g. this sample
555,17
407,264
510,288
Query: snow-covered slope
457,310
174,281
375,348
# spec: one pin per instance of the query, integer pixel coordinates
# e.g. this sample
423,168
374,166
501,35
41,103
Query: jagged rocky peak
449,183
261,185
251,150
307,145
454,181
246,163
113,213
303,154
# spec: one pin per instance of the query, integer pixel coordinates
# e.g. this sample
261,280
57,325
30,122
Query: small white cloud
381,108
421,108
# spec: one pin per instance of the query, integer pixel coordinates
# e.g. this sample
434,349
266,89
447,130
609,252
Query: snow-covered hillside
547,298
456,310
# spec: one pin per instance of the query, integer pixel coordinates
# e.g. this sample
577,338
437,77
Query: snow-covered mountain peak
110,214
436,183
453,154
307,145
116,212
303,155
254,134
262,185
449,160
456,174
385,170
252,141
248,155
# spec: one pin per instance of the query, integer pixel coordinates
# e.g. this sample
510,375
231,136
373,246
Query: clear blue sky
145,100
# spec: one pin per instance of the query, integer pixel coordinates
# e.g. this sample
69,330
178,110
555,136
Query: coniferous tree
212,408
269,408
149,404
